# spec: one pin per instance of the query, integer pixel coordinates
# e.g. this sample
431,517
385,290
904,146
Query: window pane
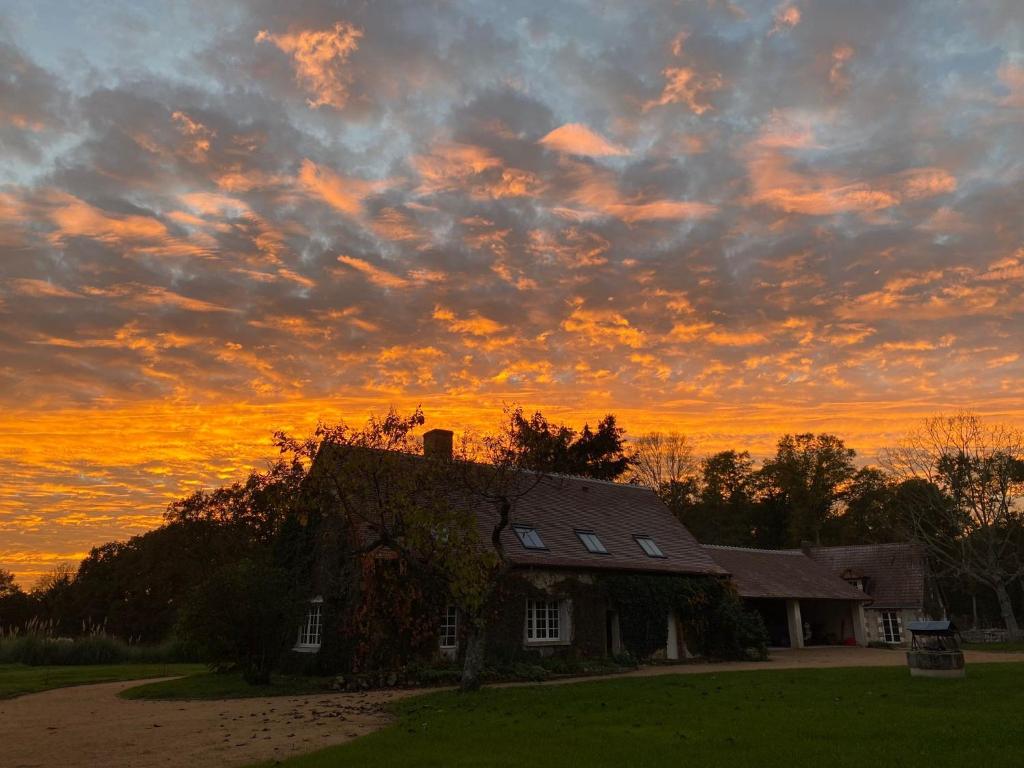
592,542
649,547
529,537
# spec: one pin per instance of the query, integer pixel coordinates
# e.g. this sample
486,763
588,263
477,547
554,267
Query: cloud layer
721,217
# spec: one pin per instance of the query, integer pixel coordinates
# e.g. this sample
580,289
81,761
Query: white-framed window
856,583
544,621
449,634
312,629
891,626
529,537
650,548
591,542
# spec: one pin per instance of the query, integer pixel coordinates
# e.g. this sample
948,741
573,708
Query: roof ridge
584,478
754,549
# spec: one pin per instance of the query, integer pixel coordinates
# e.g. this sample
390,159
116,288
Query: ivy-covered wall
508,615
713,615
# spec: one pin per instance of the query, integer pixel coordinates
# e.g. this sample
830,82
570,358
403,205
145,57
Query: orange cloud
319,57
598,192
473,170
602,326
786,16
839,74
578,139
198,136
40,288
343,193
775,184
684,85
473,324
76,218
375,275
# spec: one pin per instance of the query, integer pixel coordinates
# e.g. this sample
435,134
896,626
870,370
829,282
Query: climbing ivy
717,623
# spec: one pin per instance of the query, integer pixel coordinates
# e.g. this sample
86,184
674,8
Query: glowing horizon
724,218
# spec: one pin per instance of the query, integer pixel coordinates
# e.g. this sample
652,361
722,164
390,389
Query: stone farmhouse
566,532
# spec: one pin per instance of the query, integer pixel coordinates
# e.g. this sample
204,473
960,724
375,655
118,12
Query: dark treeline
955,486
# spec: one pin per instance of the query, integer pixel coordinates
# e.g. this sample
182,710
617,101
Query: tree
16,607
376,494
973,527
244,616
55,598
555,448
808,474
659,460
872,514
724,513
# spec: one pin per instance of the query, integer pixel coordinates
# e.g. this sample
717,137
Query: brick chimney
437,443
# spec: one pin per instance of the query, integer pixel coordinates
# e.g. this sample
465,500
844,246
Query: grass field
17,679
224,686
828,717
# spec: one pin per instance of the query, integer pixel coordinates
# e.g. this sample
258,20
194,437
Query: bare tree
972,527
662,459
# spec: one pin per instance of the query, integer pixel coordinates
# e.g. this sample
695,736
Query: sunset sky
731,219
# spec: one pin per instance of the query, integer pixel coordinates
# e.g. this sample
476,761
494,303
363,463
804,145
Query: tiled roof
558,506
893,573
787,573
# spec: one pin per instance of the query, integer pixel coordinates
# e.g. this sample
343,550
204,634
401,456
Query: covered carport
800,601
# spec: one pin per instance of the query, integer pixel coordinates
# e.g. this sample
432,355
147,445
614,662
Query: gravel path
89,726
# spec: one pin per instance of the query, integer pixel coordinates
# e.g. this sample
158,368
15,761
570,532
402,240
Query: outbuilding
802,602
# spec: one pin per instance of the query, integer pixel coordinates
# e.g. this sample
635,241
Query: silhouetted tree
16,607
872,514
973,528
724,510
555,448
808,474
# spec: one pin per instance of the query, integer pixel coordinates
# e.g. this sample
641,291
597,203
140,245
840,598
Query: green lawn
16,679
762,719
213,685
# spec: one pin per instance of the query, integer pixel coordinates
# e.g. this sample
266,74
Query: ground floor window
449,628
311,631
891,627
543,621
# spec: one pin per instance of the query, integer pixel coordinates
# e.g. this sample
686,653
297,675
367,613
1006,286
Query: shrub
245,617
35,647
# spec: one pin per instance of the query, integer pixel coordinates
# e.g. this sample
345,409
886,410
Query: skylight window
648,546
529,537
591,542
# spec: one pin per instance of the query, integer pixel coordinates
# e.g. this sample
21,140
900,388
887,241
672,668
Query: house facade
892,576
566,534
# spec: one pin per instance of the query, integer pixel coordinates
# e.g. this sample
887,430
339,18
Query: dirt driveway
90,726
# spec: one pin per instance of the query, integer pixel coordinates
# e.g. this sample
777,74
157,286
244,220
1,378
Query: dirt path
89,725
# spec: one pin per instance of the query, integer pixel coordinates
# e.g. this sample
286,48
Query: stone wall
993,635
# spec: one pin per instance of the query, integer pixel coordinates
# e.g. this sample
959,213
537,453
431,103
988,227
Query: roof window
529,537
648,546
592,543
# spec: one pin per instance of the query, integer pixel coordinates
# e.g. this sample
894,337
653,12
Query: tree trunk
1006,609
474,661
